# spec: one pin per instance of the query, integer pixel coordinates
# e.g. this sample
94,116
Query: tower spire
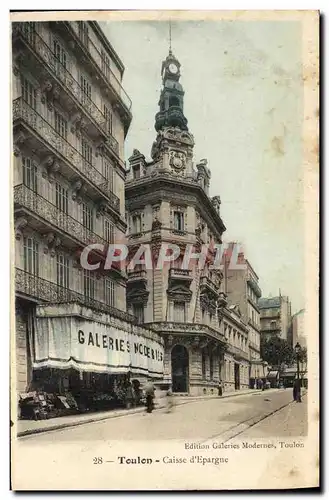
170,51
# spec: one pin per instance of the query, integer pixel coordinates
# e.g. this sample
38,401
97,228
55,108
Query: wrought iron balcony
28,199
29,116
48,291
98,59
40,48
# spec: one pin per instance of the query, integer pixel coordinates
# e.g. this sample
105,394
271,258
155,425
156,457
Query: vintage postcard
164,175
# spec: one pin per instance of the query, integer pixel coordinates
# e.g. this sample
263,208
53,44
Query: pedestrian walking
170,401
149,393
220,388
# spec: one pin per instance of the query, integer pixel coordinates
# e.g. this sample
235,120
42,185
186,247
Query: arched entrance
179,368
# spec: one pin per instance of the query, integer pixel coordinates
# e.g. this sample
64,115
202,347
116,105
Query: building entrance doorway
179,369
237,376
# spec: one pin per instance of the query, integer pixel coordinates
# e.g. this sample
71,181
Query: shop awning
273,374
77,342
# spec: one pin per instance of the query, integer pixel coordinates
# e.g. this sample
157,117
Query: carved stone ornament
20,224
177,161
52,242
76,188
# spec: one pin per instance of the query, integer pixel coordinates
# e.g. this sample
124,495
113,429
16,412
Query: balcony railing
57,69
238,352
137,275
205,281
196,329
103,67
254,346
177,272
22,111
48,291
50,213
270,328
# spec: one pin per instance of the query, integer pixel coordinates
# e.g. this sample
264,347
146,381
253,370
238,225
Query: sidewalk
27,427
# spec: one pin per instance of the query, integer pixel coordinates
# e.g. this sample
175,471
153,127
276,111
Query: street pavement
110,454
289,422
196,420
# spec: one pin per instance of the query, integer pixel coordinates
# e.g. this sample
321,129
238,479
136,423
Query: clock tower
171,101
173,148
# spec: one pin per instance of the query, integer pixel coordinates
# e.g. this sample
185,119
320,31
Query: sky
244,104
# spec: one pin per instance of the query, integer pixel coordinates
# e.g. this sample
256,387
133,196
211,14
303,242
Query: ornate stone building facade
168,202
70,119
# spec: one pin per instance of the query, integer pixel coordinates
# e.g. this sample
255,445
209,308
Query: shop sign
65,342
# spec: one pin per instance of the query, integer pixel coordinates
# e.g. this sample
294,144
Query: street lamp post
297,351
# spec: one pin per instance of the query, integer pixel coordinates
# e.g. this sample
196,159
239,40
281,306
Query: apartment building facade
243,289
70,119
275,317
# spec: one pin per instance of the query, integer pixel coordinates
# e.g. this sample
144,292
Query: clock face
173,68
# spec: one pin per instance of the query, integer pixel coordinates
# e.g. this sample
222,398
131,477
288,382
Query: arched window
173,101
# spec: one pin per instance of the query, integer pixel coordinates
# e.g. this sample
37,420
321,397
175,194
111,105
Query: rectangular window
109,292
137,224
89,278
31,256
105,63
60,56
85,90
108,173
29,30
108,118
86,150
29,94
87,217
62,198
108,231
60,125
63,271
136,172
179,312
138,312
83,32
29,174
179,221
